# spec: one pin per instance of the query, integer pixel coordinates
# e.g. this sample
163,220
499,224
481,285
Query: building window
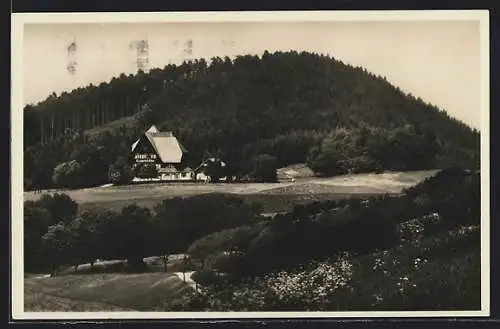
148,157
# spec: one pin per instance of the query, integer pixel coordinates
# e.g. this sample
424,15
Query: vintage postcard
250,165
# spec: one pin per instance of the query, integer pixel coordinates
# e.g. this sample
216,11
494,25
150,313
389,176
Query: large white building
164,151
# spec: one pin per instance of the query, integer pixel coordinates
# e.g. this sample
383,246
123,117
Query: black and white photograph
238,164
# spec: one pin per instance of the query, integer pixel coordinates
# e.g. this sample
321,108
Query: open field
274,196
102,292
107,287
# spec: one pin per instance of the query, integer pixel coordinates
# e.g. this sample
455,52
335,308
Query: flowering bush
413,230
430,275
408,276
310,288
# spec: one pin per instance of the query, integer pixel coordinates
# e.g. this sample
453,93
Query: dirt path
188,280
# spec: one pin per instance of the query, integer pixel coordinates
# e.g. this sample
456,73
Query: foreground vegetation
55,235
419,251
252,112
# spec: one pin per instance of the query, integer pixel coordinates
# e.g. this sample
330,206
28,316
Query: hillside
112,126
418,250
452,257
295,107
102,292
440,272
450,261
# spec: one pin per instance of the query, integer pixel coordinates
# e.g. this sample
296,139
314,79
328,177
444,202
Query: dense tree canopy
295,107
320,231
64,237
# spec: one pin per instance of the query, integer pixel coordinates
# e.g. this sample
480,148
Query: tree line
294,107
228,235
92,106
56,234
321,230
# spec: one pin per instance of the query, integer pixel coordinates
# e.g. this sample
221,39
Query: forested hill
291,107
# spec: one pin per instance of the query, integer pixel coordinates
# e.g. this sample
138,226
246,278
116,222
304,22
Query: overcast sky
438,61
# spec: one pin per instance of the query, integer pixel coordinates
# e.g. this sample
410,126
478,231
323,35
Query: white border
18,21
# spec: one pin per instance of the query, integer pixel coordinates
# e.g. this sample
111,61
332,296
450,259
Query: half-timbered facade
161,149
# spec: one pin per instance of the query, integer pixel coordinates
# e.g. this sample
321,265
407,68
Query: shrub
56,246
225,262
205,277
415,229
306,289
60,206
232,240
147,170
408,277
120,172
327,164
214,168
40,217
310,288
189,219
419,276
67,174
37,220
264,168
134,229
454,284
363,164
88,240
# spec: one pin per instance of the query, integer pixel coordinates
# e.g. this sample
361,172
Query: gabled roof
153,129
165,144
135,144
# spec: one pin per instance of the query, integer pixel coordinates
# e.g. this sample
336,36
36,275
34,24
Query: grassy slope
113,292
36,301
445,265
112,126
274,196
299,170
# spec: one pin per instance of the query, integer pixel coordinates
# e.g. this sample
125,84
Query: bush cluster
56,235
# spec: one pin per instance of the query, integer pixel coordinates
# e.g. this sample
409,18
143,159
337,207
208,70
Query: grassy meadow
102,292
275,197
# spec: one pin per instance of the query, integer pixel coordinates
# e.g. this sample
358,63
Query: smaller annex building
201,174
164,151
